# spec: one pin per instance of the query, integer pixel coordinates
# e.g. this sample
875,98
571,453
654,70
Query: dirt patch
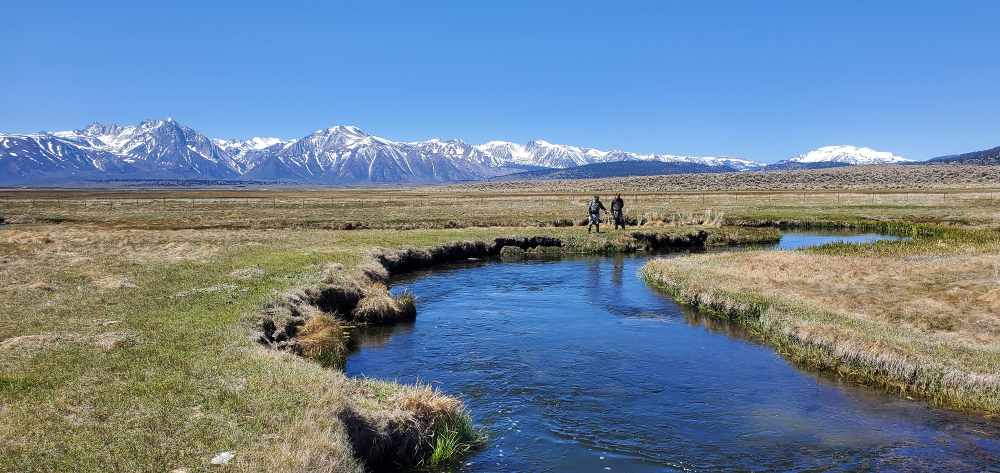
113,282
244,274
41,341
106,340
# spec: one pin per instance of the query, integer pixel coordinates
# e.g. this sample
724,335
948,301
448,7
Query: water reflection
802,239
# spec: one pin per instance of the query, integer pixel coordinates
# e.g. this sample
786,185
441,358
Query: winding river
577,365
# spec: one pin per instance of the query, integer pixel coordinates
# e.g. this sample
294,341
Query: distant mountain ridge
614,169
990,157
165,149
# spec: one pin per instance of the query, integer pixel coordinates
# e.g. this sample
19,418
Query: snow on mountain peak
258,142
543,153
846,154
336,154
343,130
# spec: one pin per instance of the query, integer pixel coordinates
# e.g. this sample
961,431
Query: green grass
454,437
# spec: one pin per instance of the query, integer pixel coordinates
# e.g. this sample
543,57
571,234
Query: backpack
595,207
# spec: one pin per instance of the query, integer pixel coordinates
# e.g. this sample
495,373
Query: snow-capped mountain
240,147
152,149
849,155
345,154
165,149
832,156
544,154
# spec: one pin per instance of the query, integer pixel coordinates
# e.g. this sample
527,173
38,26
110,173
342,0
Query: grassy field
126,327
127,315
481,205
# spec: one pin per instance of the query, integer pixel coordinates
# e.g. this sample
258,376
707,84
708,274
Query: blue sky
758,80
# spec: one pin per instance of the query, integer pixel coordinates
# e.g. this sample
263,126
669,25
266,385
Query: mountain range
165,149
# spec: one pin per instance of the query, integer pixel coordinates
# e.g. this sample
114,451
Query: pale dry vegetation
920,316
883,176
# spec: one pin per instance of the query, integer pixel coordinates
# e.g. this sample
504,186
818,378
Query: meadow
132,318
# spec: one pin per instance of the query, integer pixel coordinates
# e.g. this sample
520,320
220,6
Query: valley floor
127,317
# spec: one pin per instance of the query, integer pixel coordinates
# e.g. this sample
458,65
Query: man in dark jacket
617,208
594,208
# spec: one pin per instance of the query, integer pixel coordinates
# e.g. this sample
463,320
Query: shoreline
937,362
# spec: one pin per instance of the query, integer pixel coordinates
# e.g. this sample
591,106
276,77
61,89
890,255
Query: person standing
595,207
617,211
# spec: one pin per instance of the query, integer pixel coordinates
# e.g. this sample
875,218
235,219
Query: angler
595,207
617,211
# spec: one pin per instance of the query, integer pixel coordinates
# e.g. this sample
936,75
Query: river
577,365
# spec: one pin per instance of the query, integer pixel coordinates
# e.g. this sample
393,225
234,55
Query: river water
578,365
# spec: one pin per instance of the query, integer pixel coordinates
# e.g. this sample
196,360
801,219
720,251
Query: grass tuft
323,338
455,436
379,306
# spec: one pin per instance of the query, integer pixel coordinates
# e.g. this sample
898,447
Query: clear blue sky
758,80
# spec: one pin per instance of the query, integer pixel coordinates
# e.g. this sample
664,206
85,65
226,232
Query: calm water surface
578,365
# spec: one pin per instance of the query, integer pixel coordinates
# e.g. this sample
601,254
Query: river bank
918,316
139,339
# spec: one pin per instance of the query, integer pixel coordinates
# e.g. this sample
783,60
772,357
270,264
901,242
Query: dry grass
932,193
395,426
884,176
924,322
322,336
380,307
686,219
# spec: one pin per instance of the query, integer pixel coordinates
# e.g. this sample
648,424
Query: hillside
616,169
990,157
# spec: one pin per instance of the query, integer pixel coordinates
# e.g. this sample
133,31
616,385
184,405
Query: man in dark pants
617,207
595,207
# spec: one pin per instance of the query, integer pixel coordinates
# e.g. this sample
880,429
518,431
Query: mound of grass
323,338
378,306
403,426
